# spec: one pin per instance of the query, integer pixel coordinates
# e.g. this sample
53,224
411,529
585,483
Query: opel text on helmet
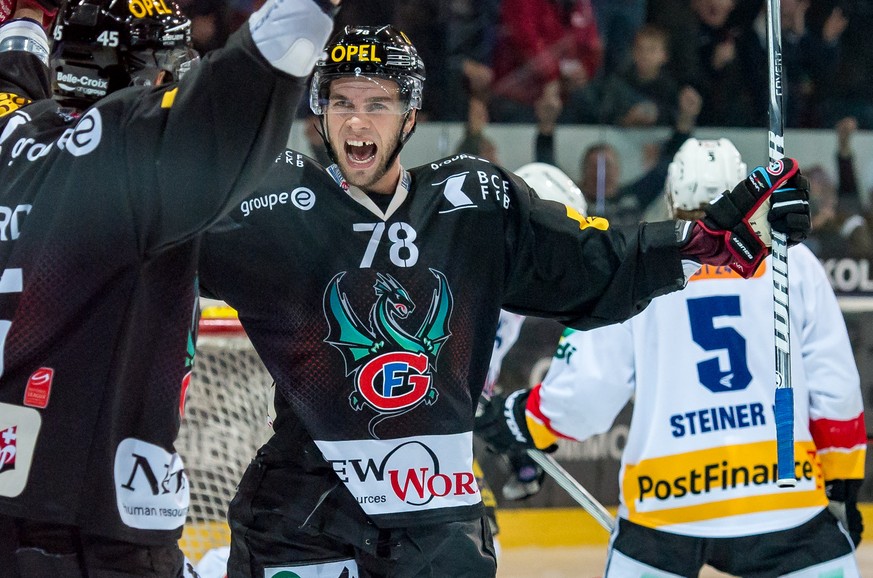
701,170
105,45
373,52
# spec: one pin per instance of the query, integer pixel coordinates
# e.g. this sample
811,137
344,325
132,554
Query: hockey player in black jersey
372,293
104,191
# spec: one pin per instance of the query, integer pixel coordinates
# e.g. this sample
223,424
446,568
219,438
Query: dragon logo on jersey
392,366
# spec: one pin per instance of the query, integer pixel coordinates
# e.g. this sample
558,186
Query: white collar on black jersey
400,193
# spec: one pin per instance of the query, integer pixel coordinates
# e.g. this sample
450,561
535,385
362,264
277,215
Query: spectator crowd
630,63
620,62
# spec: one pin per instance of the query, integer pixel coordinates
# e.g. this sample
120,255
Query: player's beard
366,179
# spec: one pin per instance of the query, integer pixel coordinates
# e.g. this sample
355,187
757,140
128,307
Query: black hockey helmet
369,51
105,45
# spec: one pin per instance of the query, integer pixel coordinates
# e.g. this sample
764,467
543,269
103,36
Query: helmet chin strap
322,132
401,138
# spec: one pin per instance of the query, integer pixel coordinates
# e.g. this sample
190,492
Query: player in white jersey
698,475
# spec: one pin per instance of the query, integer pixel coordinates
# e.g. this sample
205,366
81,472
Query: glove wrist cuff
704,246
514,411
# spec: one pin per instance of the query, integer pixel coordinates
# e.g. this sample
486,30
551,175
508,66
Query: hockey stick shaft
588,502
784,402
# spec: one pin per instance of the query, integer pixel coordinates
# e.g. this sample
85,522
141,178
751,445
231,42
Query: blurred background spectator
850,91
627,204
471,34
809,61
618,21
475,142
718,73
849,190
616,62
541,42
840,220
425,22
836,232
811,54
642,92
599,165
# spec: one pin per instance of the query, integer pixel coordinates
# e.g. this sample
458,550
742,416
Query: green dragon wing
434,330
346,332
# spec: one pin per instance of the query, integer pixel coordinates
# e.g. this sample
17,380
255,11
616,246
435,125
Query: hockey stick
784,404
588,502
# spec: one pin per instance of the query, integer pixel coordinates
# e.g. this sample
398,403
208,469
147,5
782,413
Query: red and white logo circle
775,168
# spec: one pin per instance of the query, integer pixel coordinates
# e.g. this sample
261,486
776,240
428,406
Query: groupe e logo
83,138
302,197
78,140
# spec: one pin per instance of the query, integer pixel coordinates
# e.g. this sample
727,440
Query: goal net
225,422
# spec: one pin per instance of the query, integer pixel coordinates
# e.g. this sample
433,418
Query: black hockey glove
502,423
843,496
736,230
526,476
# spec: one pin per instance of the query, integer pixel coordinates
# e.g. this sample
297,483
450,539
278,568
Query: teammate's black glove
526,476
736,230
502,423
843,496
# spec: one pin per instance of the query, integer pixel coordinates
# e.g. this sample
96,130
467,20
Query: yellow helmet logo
357,52
143,8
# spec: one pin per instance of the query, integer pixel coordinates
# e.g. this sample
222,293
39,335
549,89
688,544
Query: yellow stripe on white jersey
719,482
844,464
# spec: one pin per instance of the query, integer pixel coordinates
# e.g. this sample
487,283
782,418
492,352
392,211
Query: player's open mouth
360,152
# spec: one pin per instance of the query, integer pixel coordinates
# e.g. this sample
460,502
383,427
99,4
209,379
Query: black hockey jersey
378,325
100,214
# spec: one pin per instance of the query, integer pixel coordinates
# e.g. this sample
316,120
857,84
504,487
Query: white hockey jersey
700,458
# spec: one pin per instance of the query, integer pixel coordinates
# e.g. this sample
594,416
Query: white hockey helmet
701,170
551,183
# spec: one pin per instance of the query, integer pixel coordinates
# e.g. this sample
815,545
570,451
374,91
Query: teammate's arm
226,121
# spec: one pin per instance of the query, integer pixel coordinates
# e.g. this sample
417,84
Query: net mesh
225,423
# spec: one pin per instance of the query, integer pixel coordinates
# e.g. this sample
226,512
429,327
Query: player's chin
369,165
362,176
